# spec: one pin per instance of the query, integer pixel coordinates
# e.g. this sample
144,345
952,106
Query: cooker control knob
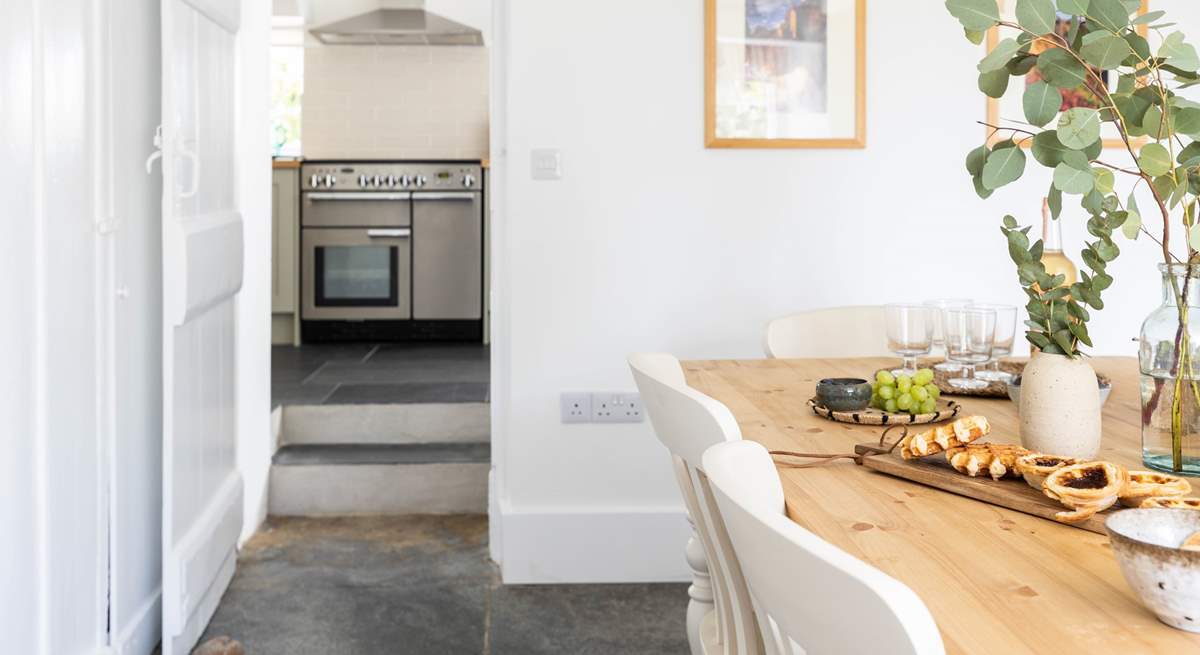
376,181
314,181
405,181
330,180
391,180
362,180
468,180
418,181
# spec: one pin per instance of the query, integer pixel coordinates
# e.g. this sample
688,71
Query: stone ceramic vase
1060,406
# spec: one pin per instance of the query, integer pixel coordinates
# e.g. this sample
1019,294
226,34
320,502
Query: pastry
944,437
1034,467
1192,542
1172,502
1086,488
1143,485
998,460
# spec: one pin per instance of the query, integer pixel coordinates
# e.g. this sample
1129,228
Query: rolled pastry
1086,488
1144,485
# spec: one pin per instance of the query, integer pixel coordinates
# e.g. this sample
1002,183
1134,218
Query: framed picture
785,74
1008,111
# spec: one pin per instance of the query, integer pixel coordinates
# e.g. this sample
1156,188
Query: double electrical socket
601,407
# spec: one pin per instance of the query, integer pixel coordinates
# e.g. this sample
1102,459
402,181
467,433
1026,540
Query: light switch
546,164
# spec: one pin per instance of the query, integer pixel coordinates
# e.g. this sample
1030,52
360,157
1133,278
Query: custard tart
1034,467
935,440
1172,503
998,460
1144,485
1086,488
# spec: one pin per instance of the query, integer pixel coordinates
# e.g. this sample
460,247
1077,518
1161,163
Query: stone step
372,478
386,424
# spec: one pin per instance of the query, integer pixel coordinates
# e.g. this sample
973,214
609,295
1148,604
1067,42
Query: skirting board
593,545
142,632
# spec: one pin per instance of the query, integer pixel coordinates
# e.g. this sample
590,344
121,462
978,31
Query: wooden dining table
994,579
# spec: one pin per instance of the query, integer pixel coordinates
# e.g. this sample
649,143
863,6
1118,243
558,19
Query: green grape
875,386
923,376
903,383
934,391
929,406
887,393
883,377
905,401
919,393
876,401
890,405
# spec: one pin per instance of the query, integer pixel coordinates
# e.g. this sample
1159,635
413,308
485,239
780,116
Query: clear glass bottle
1052,253
1170,375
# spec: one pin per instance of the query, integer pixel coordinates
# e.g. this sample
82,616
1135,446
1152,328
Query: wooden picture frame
853,136
993,116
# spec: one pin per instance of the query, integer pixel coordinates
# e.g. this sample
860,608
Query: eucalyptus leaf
1047,149
1154,159
975,36
1041,103
1105,180
1148,17
1178,53
1138,46
1187,120
1072,180
1003,165
1106,52
1065,340
1054,200
980,190
976,159
1133,219
1190,155
999,56
1109,14
1079,127
1074,7
1037,16
993,84
1194,237
1059,68
974,14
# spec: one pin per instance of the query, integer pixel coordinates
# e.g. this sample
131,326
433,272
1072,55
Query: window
287,86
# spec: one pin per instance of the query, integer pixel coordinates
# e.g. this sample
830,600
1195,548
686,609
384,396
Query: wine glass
939,338
1002,342
910,334
969,336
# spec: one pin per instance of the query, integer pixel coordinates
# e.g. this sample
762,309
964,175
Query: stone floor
356,373
424,585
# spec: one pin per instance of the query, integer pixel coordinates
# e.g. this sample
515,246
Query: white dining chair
720,619
810,597
852,331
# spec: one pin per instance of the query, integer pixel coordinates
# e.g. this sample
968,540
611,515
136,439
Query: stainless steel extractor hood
398,27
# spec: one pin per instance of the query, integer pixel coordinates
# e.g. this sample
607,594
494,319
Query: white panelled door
202,271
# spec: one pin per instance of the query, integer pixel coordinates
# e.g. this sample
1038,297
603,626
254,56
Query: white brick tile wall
395,102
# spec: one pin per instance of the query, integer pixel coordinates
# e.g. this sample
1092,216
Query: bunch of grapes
901,393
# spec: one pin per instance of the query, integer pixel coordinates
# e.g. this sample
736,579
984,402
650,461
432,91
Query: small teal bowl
844,394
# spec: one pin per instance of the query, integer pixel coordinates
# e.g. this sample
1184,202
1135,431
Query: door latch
157,154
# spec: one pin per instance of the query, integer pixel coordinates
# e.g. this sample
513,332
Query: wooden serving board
934,471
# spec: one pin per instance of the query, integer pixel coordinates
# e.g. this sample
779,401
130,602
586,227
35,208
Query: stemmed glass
939,338
1002,342
910,334
969,336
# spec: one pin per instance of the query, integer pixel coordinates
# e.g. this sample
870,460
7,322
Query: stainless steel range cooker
391,250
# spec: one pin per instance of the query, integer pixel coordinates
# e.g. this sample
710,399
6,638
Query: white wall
651,242
395,102
255,440
53,557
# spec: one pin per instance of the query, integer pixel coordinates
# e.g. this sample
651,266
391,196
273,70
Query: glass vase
1170,375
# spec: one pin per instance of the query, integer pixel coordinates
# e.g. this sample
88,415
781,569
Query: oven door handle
397,233
359,195
445,195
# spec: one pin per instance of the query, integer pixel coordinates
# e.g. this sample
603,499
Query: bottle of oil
1052,253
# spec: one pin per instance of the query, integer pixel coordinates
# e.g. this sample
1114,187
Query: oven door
356,274
355,209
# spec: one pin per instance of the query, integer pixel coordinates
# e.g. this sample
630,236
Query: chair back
809,596
853,331
688,422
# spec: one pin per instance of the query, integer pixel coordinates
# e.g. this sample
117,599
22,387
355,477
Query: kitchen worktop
286,163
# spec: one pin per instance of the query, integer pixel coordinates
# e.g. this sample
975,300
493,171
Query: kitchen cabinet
285,274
